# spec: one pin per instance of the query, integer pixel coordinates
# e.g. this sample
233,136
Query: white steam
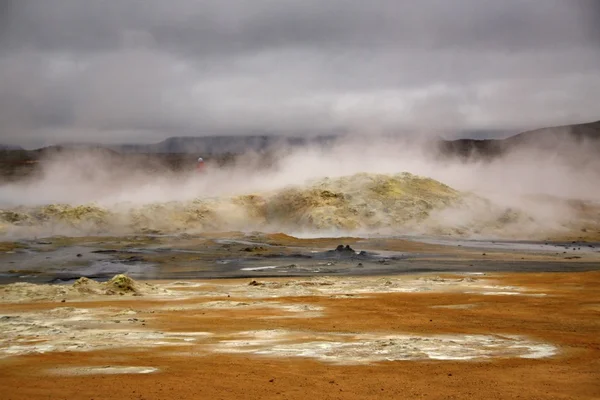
538,183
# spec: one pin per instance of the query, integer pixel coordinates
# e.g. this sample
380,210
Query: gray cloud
143,70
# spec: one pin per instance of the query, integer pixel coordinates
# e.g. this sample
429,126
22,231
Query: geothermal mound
83,288
401,203
362,201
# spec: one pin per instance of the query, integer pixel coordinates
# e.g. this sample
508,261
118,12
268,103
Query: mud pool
60,260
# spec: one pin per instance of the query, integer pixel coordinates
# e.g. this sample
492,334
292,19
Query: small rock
344,249
253,249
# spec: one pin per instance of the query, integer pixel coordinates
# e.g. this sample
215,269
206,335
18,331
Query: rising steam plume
379,186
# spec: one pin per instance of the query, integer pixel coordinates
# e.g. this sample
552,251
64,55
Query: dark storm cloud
197,27
141,70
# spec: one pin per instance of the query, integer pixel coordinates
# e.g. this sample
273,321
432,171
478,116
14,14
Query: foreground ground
492,336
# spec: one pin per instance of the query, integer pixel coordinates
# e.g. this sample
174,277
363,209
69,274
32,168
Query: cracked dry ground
225,339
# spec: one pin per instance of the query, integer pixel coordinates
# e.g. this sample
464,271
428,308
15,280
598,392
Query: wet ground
236,255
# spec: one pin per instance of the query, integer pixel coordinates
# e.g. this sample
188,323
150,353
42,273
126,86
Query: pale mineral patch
304,310
369,348
184,284
347,286
74,329
104,370
259,268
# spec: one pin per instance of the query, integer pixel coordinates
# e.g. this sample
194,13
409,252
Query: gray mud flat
251,269
233,258
68,263
512,245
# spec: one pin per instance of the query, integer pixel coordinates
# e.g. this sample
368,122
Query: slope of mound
82,289
362,203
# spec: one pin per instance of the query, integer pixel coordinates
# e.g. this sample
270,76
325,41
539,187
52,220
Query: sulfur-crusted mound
82,289
373,203
122,284
118,284
362,201
83,217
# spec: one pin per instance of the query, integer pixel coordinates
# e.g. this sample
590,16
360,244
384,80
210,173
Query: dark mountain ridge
548,137
556,139
579,143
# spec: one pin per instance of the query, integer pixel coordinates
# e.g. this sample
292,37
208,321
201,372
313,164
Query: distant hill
216,145
551,138
223,148
49,150
544,138
554,135
9,147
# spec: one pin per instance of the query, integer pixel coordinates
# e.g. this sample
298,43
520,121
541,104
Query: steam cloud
140,71
542,186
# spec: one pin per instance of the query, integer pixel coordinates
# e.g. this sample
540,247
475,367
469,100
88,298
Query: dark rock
253,249
344,249
300,255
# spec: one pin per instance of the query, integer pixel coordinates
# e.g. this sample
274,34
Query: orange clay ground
562,310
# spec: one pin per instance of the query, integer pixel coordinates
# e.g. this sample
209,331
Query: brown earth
567,317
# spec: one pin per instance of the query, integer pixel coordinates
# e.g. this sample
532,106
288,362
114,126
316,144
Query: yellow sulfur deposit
73,214
360,201
14,217
401,203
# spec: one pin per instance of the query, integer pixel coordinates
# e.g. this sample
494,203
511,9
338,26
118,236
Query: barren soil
521,335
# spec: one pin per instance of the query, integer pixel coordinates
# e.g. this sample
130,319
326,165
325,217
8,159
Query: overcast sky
140,71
